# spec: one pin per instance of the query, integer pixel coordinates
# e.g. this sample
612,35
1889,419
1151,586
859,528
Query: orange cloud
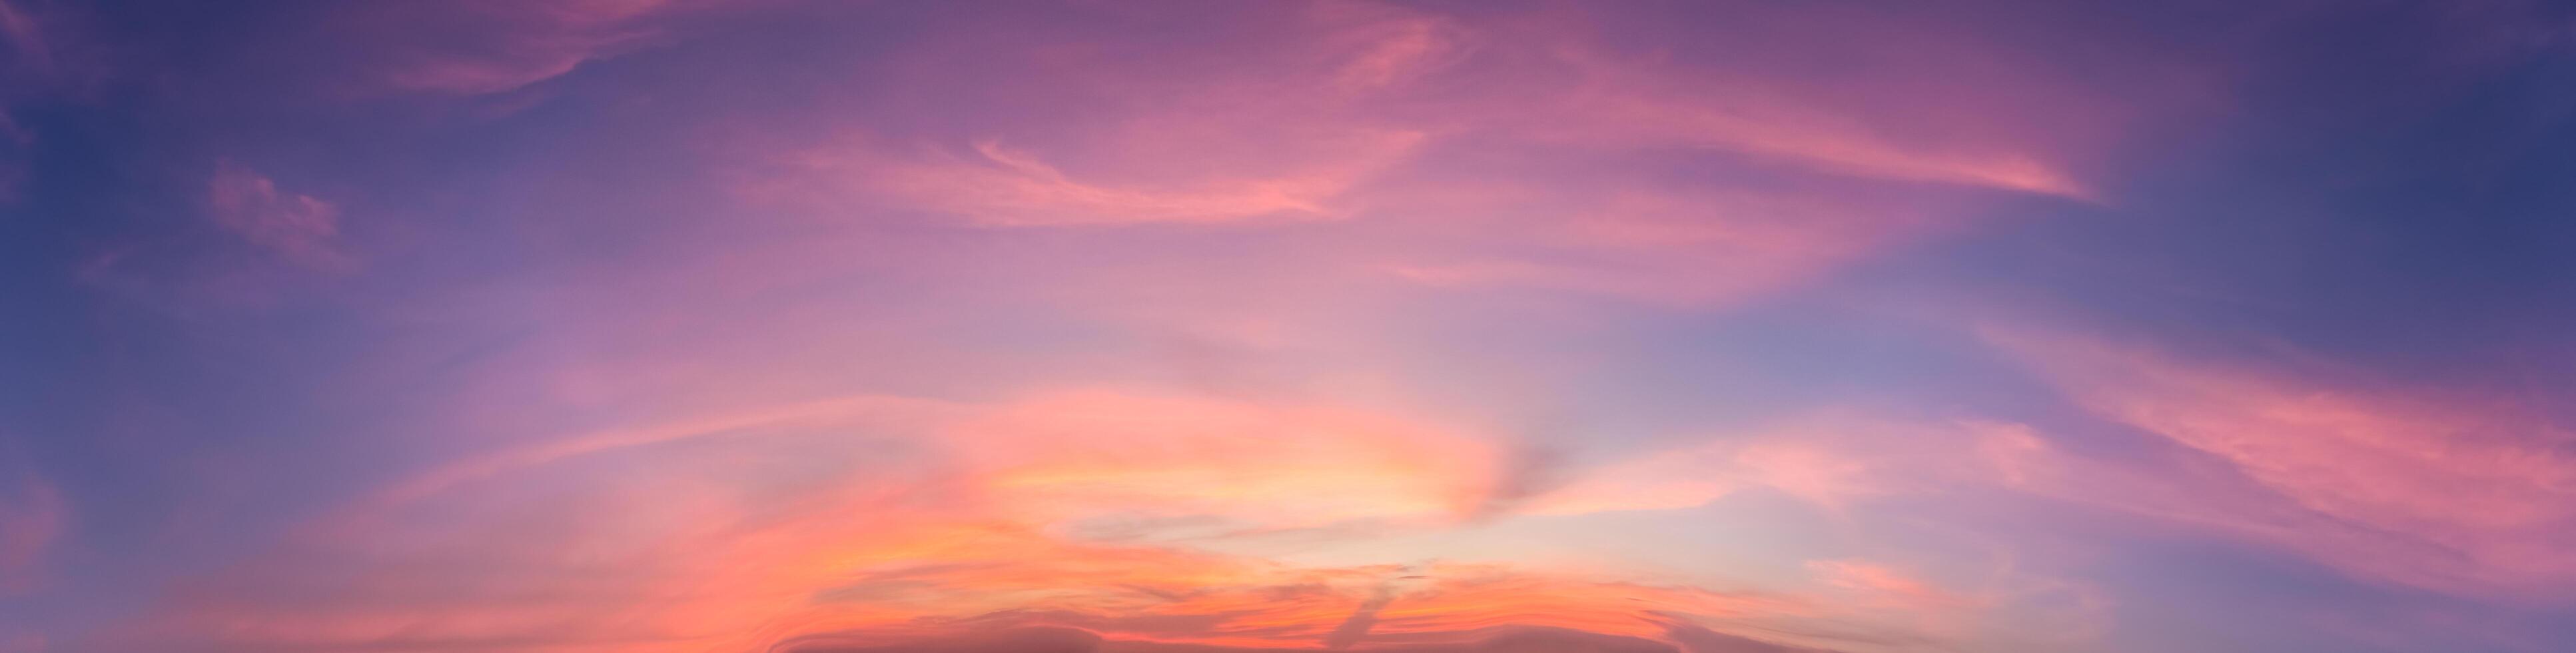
913,519
1879,583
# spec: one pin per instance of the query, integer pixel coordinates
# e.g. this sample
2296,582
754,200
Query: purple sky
1711,326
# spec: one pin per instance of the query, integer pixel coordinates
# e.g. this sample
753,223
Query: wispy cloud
480,47
1004,187
1336,126
2456,493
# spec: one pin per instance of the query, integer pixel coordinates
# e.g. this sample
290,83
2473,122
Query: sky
1164,326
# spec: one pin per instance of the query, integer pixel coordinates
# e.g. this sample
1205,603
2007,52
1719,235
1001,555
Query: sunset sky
1249,326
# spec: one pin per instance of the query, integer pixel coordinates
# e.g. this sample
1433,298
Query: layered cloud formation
1169,327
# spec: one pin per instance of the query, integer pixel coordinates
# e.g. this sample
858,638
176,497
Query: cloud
1693,639
32,517
1293,126
484,46
1054,132
25,39
1691,245
1873,582
2416,487
883,521
1015,640
299,228
253,244
1357,626
363,51
488,465
1082,453
1640,105
1504,640
1087,453
999,186
1829,460
971,261
48,50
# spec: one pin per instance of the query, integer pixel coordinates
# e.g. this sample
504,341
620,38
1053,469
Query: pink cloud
1004,187
2414,487
32,517
2407,486
297,227
1428,75
1464,153
483,46
1878,583
1629,102
1073,134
